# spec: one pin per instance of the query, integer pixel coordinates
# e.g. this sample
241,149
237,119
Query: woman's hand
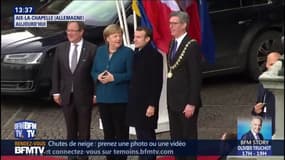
105,77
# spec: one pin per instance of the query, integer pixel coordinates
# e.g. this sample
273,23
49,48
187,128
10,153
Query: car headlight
23,58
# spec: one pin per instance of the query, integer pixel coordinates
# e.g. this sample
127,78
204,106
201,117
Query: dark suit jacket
145,87
249,136
62,77
185,85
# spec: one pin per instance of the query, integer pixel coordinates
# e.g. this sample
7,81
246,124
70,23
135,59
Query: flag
158,12
137,6
158,19
191,7
155,15
207,35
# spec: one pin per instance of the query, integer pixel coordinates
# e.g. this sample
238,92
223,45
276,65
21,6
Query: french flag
158,12
155,15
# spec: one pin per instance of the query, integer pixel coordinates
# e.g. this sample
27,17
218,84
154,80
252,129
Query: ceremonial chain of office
176,64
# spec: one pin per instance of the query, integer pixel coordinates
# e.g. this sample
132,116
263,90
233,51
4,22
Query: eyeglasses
174,23
71,30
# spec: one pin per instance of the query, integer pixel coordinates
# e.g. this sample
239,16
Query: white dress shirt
71,50
179,40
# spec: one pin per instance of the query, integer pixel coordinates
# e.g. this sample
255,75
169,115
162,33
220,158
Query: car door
228,31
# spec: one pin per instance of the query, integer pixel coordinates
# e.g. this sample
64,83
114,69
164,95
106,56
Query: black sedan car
245,31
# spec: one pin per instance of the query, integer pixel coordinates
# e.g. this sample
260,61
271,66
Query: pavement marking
13,117
30,115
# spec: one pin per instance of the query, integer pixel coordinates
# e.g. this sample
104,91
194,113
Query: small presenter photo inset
255,128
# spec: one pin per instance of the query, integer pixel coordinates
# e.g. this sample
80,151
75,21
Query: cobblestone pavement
224,99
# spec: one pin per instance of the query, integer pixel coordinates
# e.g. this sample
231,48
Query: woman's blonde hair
111,29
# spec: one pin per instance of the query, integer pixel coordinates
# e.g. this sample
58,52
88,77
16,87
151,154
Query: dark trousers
77,120
114,126
182,128
146,134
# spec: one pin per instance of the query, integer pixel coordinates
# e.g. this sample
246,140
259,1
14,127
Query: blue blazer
120,65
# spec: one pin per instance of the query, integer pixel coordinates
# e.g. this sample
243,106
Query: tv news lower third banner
135,147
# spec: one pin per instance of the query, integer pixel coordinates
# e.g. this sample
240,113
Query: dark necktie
257,137
74,59
173,49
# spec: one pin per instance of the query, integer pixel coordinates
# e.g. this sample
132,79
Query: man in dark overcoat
145,88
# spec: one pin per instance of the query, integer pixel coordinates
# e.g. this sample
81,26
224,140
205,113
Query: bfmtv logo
25,129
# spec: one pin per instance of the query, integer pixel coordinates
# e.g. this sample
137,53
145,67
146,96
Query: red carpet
30,158
208,157
198,158
57,158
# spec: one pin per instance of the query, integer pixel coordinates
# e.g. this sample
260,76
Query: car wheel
258,52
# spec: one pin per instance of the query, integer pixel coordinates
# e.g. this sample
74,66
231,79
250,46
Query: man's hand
94,99
150,111
258,108
189,110
57,99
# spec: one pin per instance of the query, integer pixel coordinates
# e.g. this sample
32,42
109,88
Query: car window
54,7
255,2
99,13
215,5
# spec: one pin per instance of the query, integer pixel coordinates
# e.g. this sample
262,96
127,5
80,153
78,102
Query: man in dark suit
254,133
72,84
145,88
183,81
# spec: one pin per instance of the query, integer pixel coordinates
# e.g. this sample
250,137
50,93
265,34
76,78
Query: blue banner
134,147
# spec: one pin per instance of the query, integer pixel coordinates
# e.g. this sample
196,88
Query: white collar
254,134
78,43
179,39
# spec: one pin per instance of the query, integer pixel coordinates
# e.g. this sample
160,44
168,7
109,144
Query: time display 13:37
23,10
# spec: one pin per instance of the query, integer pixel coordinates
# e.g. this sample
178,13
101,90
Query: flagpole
135,20
125,23
120,20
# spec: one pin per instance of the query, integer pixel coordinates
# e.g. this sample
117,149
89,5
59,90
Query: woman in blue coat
111,72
